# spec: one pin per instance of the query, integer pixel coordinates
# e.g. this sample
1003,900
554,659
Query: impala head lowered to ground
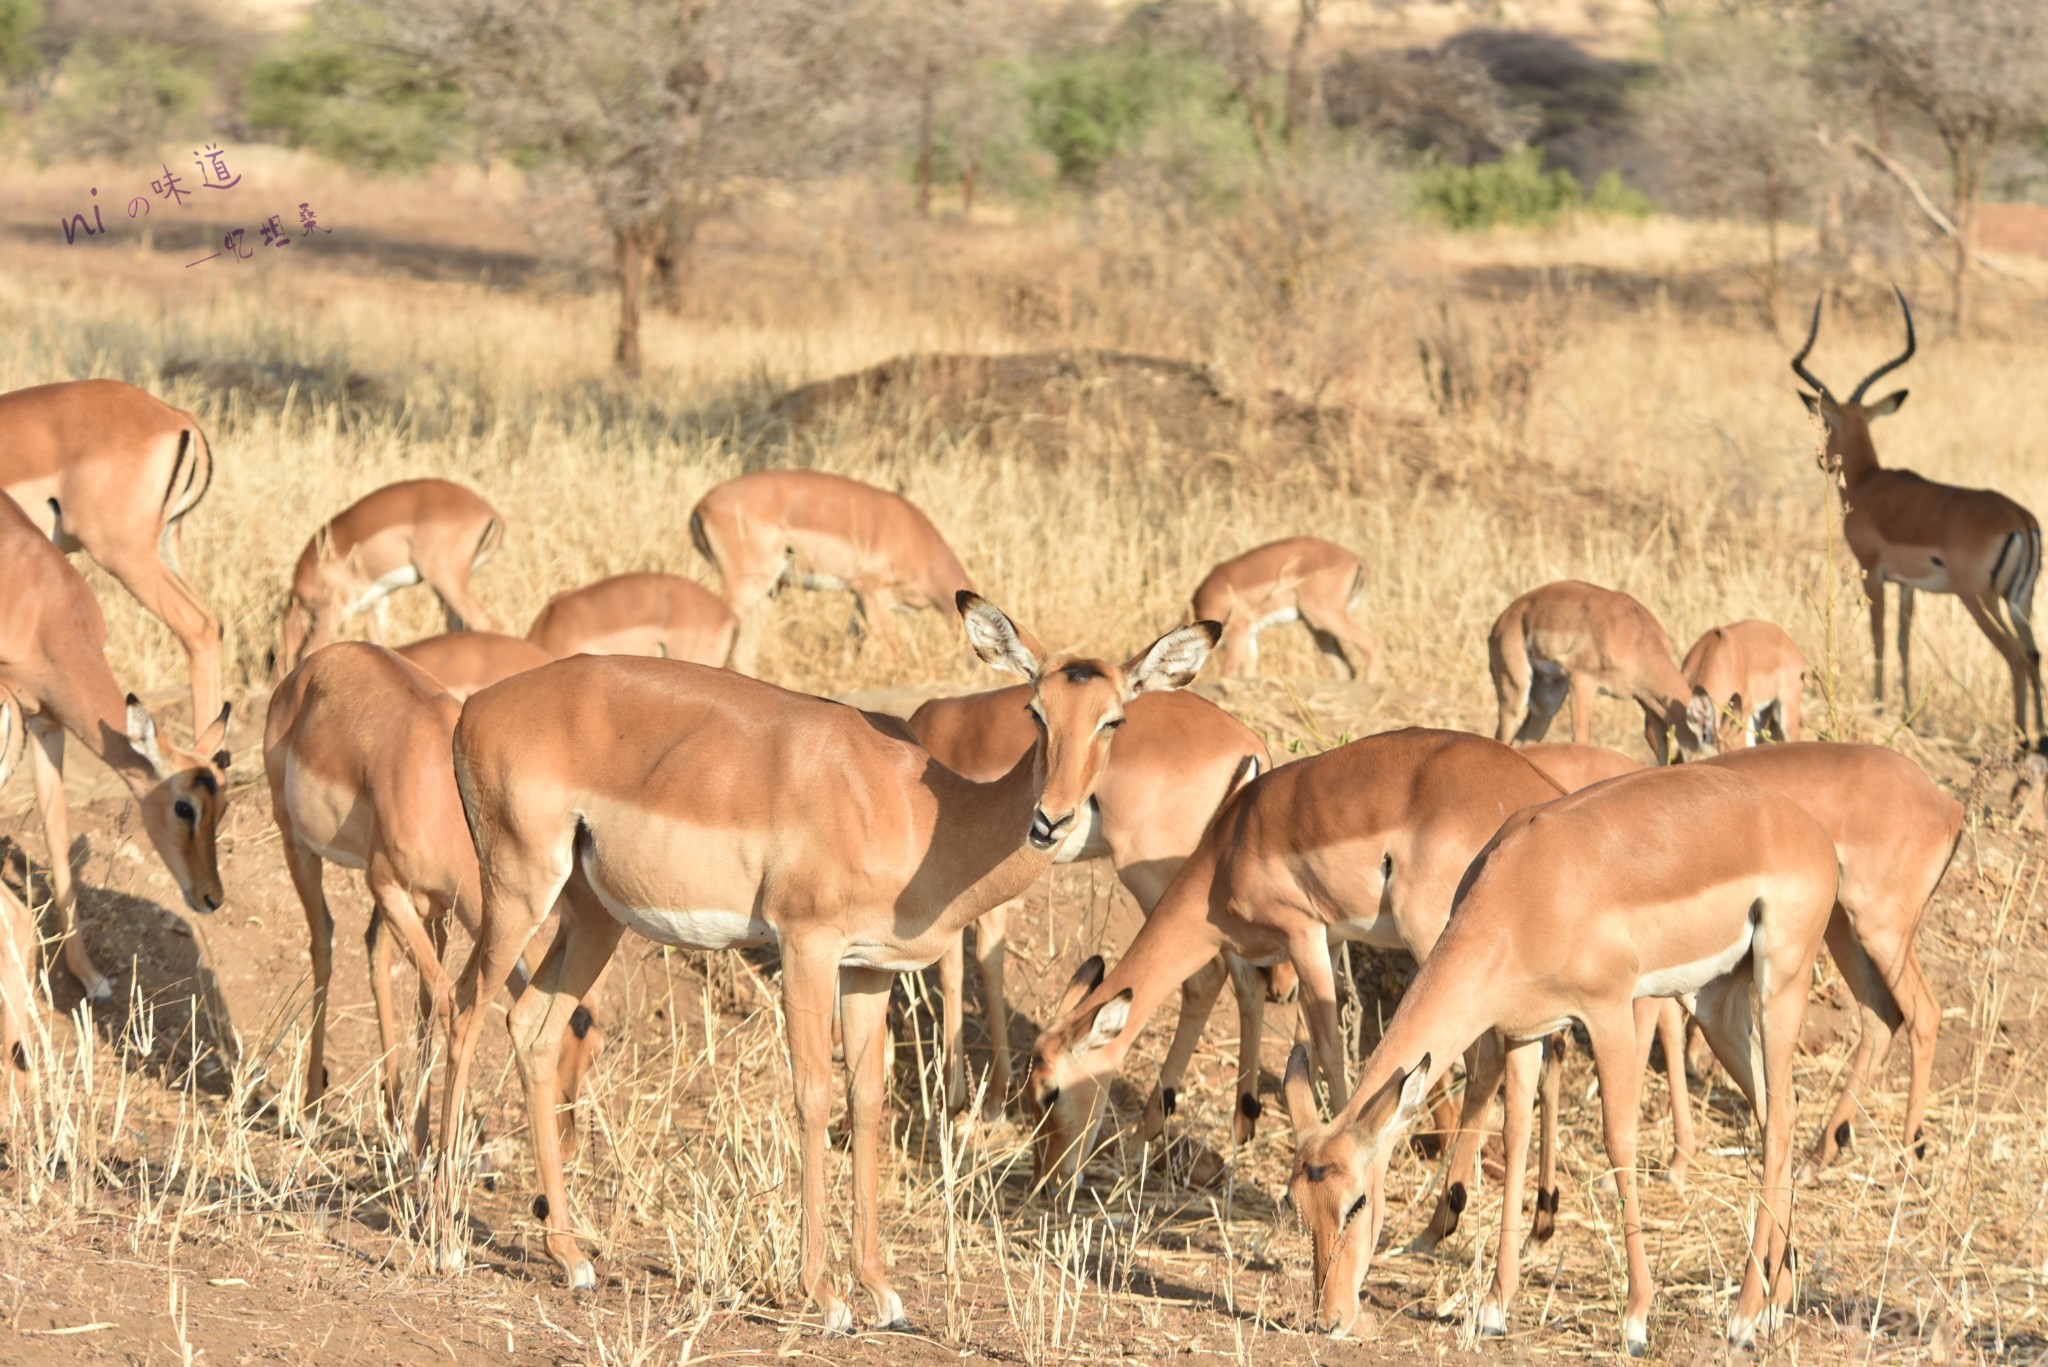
1338,1187
181,809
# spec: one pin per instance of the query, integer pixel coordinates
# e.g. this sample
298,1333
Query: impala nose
1046,832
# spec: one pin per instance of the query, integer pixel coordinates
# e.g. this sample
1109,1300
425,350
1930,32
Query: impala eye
1113,723
1051,1095
1037,717
1356,1206
185,811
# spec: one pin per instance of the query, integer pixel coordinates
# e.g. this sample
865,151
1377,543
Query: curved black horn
1799,361
1889,366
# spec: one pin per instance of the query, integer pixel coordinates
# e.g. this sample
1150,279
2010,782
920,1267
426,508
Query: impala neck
1663,690
94,709
1441,1013
1173,944
978,857
1850,444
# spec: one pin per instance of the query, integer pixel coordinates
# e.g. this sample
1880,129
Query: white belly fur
403,577
696,929
1380,932
1684,979
1280,618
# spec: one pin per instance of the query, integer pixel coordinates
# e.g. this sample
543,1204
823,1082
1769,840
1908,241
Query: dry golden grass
1662,452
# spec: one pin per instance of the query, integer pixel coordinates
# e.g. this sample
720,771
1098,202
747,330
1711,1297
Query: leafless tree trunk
967,177
1967,148
629,254
1299,94
927,96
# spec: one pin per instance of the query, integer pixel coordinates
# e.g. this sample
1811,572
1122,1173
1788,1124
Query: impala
1572,639
1974,543
357,750
1689,882
103,467
1364,842
1303,579
417,531
707,810
53,657
465,662
820,531
1177,757
1749,673
664,615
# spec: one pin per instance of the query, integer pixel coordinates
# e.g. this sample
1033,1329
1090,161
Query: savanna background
1492,293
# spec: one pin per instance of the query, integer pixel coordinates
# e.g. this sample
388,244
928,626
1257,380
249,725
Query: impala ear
1110,1019
1000,642
1700,713
1298,1089
1885,406
1086,979
1396,1104
1172,661
142,735
212,738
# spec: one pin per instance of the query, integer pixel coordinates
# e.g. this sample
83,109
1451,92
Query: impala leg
1583,692
46,770
1873,585
509,922
1508,663
810,981
2023,628
747,595
377,948
304,867
1906,649
1333,630
877,607
1197,1000
952,1011
435,1005
1923,1020
1671,1033
1547,693
1768,1276
991,939
167,597
1984,613
1614,1059
436,997
18,1005
537,1021
1318,1002
1548,1080
864,1004
1483,1066
1657,1018
1522,1066
1250,988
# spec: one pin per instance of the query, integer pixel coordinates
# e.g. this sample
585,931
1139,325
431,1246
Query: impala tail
2019,564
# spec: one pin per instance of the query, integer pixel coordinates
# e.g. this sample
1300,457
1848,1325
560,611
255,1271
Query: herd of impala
617,768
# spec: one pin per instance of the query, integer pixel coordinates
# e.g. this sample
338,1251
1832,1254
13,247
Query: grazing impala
1303,579
707,810
1746,679
1576,639
53,657
103,467
417,531
1177,757
1687,882
466,662
357,750
1364,842
820,531
664,615
1974,543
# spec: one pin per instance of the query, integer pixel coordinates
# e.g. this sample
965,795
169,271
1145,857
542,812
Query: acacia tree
1975,70
657,108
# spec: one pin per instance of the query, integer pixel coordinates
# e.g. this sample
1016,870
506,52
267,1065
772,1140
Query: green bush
122,98
334,90
1093,106
20,54
1516,189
